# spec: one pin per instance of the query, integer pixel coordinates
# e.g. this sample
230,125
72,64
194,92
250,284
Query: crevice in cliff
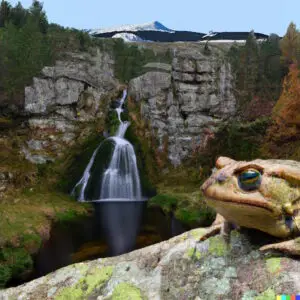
54,79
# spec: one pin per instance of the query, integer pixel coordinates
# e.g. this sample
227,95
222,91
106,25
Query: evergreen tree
290,45
37,13
271,70
25,50
18,15
5,9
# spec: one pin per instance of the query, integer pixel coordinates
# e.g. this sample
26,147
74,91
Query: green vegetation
27,221
130,59
28,43
241,141
218,246
144,145
258,73
185,202
14,262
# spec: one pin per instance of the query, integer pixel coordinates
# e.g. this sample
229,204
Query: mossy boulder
180,268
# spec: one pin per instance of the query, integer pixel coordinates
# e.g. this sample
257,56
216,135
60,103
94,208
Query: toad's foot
291,247
220,225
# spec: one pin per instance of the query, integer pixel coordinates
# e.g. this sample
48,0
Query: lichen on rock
166,271
90,282
126,291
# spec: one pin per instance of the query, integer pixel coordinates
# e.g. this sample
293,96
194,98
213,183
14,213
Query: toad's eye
249,179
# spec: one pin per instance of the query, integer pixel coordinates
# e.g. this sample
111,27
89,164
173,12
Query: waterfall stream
120,181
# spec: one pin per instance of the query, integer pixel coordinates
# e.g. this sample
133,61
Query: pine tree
271,70
18,15
37,13
287,109
5,9
290,45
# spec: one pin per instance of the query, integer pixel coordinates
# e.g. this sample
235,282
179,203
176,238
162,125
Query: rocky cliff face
72,92
185,101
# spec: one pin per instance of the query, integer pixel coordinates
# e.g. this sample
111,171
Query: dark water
114,229
120,223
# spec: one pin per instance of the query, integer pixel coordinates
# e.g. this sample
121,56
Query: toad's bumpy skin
260,194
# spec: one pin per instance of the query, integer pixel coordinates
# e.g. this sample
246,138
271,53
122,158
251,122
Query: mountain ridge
149,26
157,32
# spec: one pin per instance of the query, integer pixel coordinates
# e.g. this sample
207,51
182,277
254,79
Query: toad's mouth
247,199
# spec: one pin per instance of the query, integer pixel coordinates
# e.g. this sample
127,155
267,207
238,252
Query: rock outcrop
184,102
180,268
73,91
187,100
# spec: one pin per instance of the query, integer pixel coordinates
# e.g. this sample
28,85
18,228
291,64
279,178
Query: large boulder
180,268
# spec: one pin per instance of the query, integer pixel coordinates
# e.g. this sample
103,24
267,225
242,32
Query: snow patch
150,26
230,41
128,37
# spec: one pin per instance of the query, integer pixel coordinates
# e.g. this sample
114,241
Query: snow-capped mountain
128,37
157,32
151,26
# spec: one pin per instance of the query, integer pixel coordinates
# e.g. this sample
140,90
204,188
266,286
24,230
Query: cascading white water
121,179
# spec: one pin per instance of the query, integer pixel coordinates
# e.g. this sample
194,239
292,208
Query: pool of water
115,228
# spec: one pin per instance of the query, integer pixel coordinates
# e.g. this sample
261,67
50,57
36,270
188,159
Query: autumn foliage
283,135
287,109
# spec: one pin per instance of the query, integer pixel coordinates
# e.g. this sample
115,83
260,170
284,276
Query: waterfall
121,179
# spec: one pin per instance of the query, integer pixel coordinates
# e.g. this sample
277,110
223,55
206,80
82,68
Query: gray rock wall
65,95
186,101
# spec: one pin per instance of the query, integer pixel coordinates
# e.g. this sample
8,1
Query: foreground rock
180,268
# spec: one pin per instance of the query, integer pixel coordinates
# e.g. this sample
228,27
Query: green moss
199,216
273,264
96,278
31,241
218,246
165,201
67,216
193,253
198,233
126,291
188,207
5,274
145,160
268,294
22,223
65,172
70,293
93,280
113,122
14,262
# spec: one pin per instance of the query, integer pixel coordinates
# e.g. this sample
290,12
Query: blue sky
266,16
